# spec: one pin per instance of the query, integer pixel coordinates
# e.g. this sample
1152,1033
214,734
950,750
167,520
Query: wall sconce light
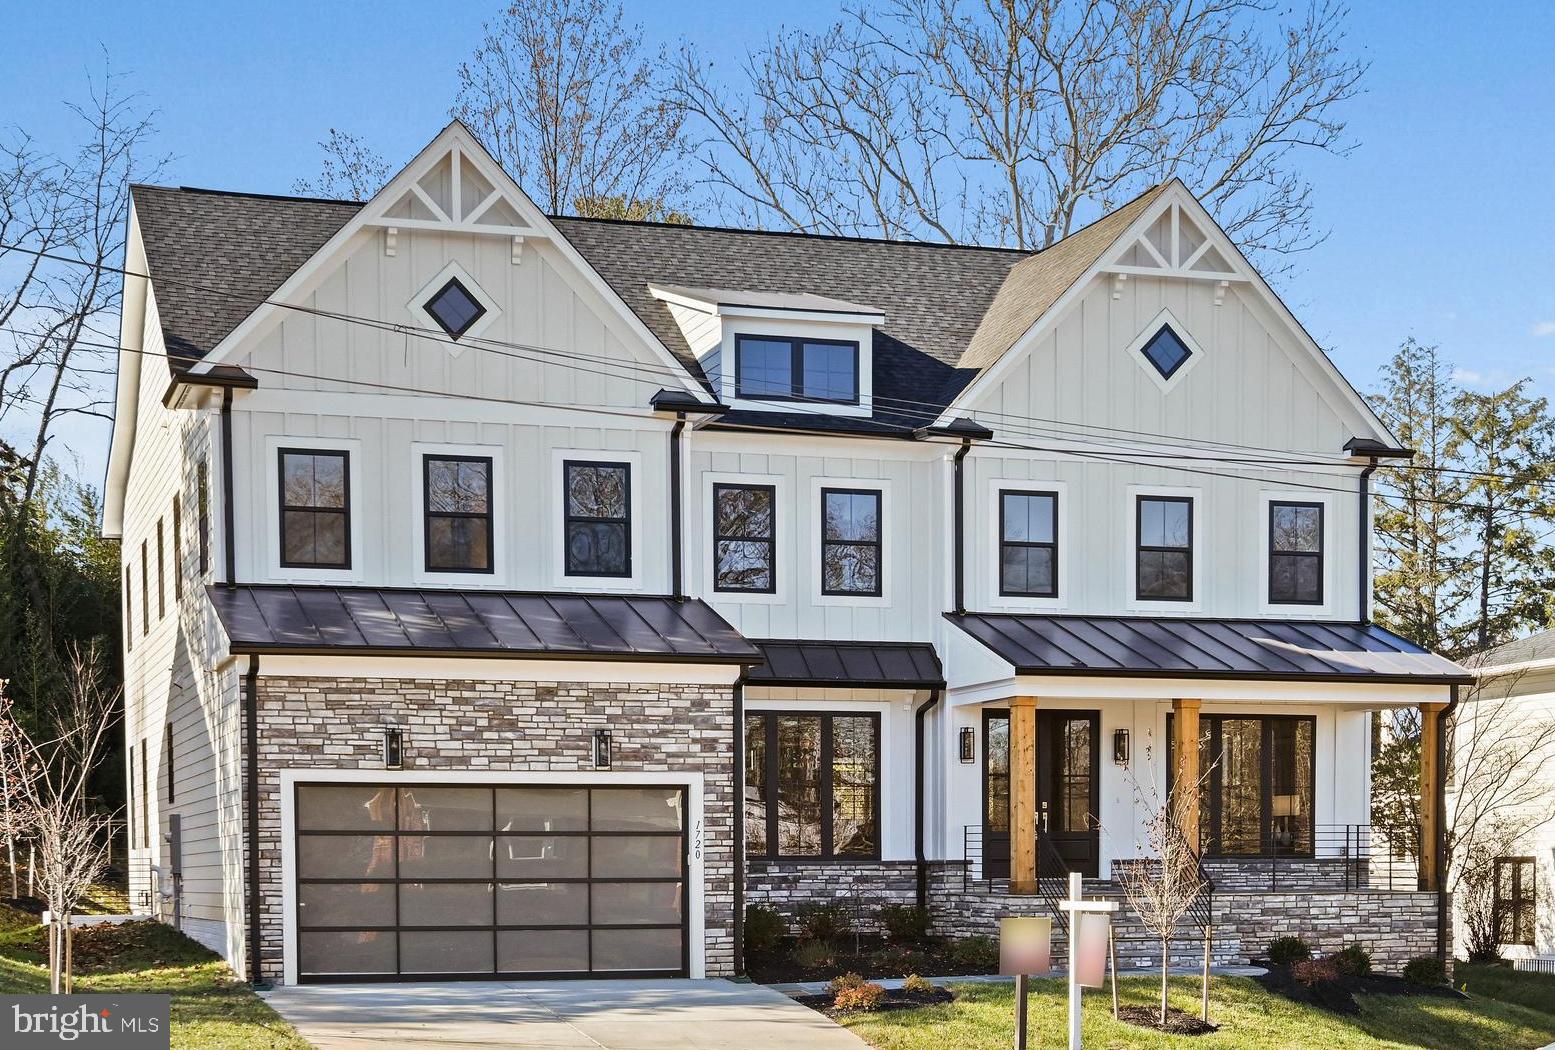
601,749
1120,746
968,745
393,747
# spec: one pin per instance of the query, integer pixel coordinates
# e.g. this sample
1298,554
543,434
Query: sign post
1025,948
1090,934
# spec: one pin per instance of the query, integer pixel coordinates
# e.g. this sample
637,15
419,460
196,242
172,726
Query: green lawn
1535,990
212,1010
982,1018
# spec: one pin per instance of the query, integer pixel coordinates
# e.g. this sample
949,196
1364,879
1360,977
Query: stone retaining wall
861,888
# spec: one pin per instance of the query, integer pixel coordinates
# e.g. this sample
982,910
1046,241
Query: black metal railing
1339,857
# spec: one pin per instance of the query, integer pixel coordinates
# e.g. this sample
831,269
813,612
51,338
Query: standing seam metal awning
1179,647
881,665
340,621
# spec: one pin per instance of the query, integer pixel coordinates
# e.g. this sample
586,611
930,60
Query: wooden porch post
1431,816
1023,794
1185,745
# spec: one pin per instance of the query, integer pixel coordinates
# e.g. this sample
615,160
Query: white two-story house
509,594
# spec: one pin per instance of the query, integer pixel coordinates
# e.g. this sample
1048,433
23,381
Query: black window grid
769,540
1005,541
1140,548
344,511
797,391
568,466
875,544
828,854
428,514
1317,555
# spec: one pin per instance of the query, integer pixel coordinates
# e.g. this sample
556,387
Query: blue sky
1442,220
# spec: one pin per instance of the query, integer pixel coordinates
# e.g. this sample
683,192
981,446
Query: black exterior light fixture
968,745
1120,746
393,747
601,749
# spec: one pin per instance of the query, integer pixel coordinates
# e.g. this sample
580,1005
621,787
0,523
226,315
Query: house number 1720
696,841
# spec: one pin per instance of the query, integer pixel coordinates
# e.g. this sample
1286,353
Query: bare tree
352,170
568,99
73,837
1016,120
12,774
1474,899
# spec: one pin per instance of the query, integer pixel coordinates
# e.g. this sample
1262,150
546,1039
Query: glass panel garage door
427,882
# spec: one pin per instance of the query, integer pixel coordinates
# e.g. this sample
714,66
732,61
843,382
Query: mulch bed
872,959
895,999
1338,995
1178,1022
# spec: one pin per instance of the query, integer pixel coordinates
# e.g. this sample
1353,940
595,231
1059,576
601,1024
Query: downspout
958,525
251,775
1363,546
917,795
1443,932
676,583
739,827
228,515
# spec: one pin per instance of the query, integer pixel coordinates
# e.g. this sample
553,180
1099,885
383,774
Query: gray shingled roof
1539,646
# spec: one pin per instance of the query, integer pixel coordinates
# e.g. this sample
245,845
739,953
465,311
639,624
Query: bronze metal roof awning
374,621
880,665
1178,647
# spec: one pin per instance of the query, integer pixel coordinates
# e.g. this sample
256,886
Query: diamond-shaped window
454,308
1166,352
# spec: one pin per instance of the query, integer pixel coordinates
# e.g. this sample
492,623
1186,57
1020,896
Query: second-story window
744,538
777,368
178,548
1028,544
458,526
161,573
598,518
145,590
850,541
315,509
202,507
1295,553
1163,566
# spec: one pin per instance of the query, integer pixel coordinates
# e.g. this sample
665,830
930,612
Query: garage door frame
691,782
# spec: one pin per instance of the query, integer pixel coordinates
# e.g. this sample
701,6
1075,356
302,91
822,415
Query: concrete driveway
556,1015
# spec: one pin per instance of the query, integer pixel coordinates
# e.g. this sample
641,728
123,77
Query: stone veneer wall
861,887
335,723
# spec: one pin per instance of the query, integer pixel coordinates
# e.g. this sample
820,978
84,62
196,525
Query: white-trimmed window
852,541
458,532
744,537
315,508
1028,543
1296,556
597,497
1163,562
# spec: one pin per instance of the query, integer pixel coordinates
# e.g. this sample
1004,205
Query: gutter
1363,545
251,819
677,587
1443,929
738,795
918,794
958,530
228,519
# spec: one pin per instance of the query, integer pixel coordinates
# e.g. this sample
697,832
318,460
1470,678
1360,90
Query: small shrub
1352,961
842,982
824,922
764,930
898,959
905,923
979,953
1314,971
915,985
863,997
1286,950
1426,971
814,955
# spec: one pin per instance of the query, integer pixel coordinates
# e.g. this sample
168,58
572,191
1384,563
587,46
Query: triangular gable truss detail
453,195
1174,244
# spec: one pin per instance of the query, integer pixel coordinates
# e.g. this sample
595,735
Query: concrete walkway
556,1015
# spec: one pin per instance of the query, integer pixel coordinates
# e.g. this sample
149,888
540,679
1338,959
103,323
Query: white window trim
783,531
557,502
992,489
1131,530
1137,347
498,576
356,467
817,597
416,307
1261,557
792,328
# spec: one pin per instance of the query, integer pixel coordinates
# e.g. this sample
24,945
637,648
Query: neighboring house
477,564
1516,688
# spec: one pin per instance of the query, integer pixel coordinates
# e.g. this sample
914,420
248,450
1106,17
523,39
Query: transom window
1295,553
1028,544
1257,798
315,509
1514,899
1163,567
1166,352
812,786
850,541
458,513
454,308
776,368
744,531
599,530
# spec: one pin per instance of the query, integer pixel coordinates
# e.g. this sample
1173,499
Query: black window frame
878,543
145,590
129,608
282,506
145,803
178,548
770,541
427,513
828,854
167,757
203,513
796,345
1505,912
1005,542
1320,555
1140,499
568,517
481,310
1178,367
161,573
1210,835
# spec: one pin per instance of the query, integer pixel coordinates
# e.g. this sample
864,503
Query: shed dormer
778,351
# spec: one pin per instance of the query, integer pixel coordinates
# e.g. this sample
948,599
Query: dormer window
1166,352
776,368
454,308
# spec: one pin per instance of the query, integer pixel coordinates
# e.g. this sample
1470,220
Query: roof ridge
294,198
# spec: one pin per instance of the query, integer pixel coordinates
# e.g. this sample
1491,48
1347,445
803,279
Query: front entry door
1068,793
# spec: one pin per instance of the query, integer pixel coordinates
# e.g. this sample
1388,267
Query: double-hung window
778,368
458,526
744,538
1295,553
1163,555
1028,544
812,786
599,525
315,509
1514,899
850,541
